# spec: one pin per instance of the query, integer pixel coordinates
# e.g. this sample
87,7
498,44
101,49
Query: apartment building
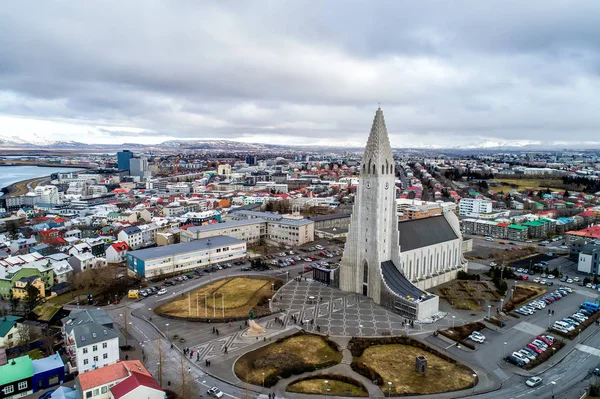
183,257
90,341
474,207
250,230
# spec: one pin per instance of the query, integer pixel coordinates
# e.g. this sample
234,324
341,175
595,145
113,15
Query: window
104,345
105,356
104,389
95,358
8,389
88,394
96,392
85,361
95,348
85,351
366,273
10,336
22,385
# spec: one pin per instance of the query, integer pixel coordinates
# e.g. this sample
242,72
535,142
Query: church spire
378,152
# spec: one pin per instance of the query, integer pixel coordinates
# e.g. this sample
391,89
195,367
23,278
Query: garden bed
293,355
542,357
337,385
523,293
392,359
461,333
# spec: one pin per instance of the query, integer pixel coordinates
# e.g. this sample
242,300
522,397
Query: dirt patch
337,385
395,362
227,299
289,356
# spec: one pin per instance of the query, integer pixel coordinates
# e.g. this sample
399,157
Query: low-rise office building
250,230
183,257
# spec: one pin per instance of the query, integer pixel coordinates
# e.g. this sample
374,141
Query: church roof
419,233
399,284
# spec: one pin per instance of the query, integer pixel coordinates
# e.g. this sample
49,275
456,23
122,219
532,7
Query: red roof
587,214
120,246
134,381
113,372
590,232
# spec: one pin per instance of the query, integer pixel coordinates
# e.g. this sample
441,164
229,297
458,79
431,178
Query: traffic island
522,294
328,384
579,329
542,357
293,355
412,367
229,299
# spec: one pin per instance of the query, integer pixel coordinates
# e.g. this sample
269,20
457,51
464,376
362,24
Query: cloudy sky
446,73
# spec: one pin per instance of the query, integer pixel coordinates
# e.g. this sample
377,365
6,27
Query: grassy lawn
69,297
240,295
35,354
526,184
45,312
465,304
317,386
295,354
396,363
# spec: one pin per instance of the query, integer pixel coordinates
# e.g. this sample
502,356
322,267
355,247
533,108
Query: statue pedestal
255,329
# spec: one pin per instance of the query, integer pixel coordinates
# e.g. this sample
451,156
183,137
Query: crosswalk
588,349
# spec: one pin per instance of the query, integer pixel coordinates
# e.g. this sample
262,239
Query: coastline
22,187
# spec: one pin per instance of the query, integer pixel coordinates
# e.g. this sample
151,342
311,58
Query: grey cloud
306,69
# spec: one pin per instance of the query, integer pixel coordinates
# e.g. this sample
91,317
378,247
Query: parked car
162,291
520,356
477,338
515,360
533,382
215,392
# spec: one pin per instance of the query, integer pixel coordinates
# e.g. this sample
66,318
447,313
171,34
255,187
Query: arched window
455,256
443,259
369,167
363,168
374,172
417,265
366,273
387,167
410,276
382,169
410,267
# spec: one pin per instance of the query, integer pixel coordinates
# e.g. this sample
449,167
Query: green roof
20,370
6,323
46,312
517,227
534,223
113,214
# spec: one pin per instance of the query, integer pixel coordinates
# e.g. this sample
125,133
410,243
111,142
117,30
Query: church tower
373,231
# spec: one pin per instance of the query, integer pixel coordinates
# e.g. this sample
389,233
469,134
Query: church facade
392,262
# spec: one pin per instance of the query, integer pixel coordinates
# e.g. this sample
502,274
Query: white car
533,382
477,338
589,285
536,280
216,392
576,279
521,357
569,280
551,276
543,282
520,270
564,247
493,263
162,291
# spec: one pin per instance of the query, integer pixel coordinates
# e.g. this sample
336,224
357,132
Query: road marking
529,328
588,349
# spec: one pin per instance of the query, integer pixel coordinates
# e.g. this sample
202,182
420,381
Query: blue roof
177,249
132,230
49,363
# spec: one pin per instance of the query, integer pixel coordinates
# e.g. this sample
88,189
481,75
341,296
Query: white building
89,339
392,262
48,194
117,252
474,207
180,258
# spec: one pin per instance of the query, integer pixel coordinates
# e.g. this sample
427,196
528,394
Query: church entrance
365,289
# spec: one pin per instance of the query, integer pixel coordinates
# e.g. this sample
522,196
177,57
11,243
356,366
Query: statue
253,327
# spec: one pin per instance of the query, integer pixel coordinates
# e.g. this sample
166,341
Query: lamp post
553,384
489,310
326,388
389,389
453,318
553,351
168,331
214,307
360,326
474,381
579,335
502,305
504,349
458,352
263,381
272,287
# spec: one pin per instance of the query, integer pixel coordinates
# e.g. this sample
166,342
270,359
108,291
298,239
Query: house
9,330
117,252
19,289
63,271
82,262
132,236
48,372
16,378
89,339
22,244
16,267
125,379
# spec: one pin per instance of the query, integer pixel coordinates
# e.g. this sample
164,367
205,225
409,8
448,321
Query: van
592,307
133,294
564,325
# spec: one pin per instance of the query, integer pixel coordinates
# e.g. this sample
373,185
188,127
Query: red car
307,268
545,340
525,277
534,348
